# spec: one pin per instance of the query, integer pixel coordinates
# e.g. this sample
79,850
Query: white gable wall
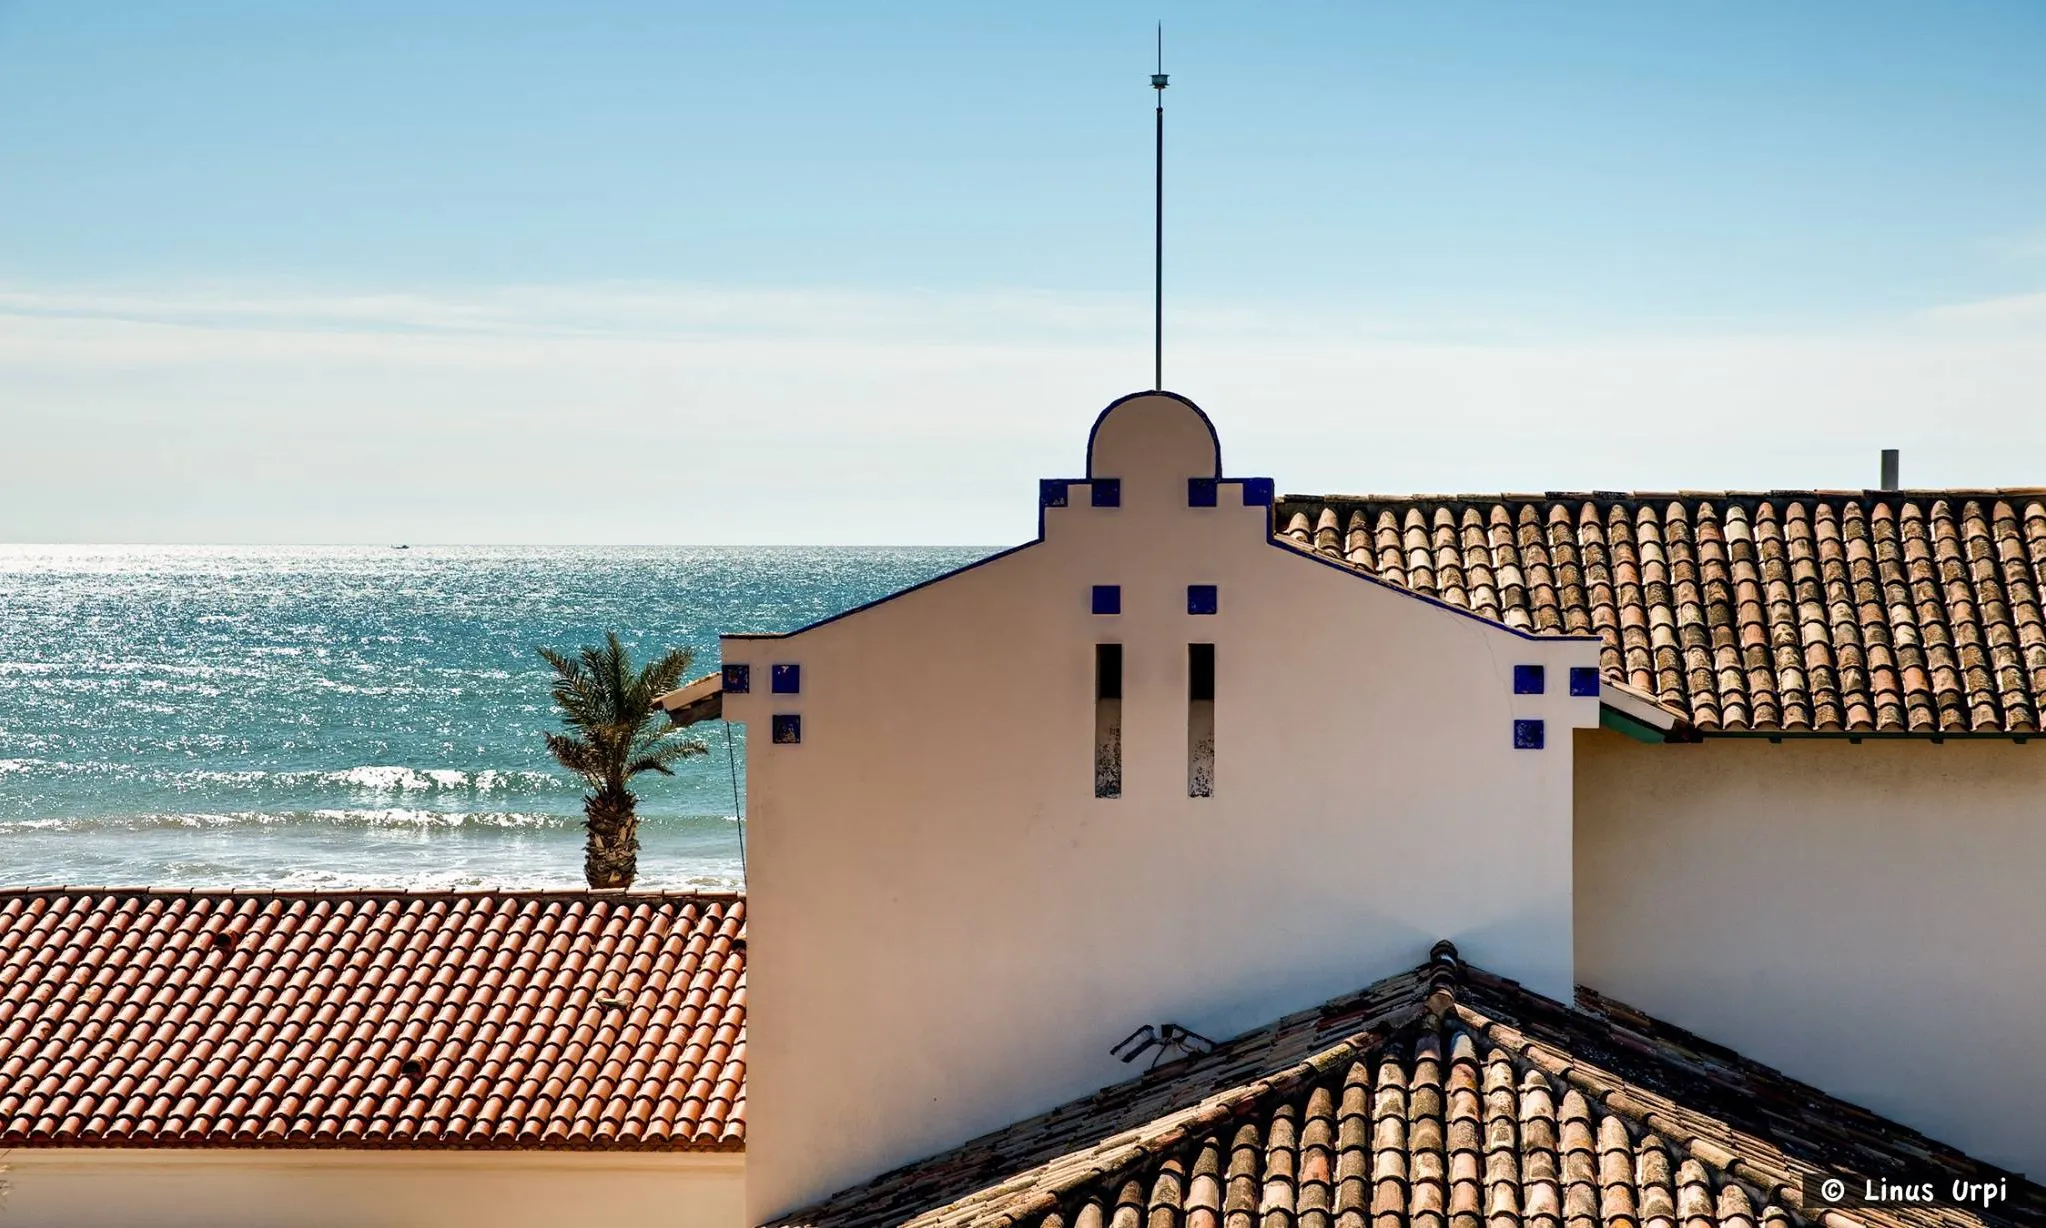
1866,918
948,930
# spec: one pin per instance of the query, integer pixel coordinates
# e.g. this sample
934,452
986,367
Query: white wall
948,930
228,1188
1869,919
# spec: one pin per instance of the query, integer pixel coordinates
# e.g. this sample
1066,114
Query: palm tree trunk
611,854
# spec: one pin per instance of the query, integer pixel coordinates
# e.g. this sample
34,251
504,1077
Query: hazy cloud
626,412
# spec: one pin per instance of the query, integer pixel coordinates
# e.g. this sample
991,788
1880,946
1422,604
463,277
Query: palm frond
617,675
578,756
657,758
648,737
666,674
612,730
596,675
581,703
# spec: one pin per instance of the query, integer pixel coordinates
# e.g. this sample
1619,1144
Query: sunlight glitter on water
348,716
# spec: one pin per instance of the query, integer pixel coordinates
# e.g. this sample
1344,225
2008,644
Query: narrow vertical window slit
1108,720
1200,720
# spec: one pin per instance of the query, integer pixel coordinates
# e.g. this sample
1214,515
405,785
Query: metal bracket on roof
1165,1038
1147,1034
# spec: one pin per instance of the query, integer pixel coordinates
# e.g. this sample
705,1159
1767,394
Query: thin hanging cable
738,816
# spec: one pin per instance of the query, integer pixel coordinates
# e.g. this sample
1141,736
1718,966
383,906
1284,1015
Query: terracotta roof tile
371,1019
1439,1098
1892,612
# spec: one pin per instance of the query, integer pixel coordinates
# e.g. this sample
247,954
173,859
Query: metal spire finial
1158,82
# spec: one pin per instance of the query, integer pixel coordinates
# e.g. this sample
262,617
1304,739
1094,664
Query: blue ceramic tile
1201,599
738,679
1529,680
1200,492
1584,680
1107,492
787,680
1527,735
1051,493
788,729
1108,599
1258,492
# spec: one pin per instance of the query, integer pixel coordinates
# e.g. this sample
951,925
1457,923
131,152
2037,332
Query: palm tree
612,733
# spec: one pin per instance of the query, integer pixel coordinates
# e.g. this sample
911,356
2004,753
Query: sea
299,717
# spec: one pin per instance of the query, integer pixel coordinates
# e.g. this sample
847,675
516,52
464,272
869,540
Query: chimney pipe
1889,469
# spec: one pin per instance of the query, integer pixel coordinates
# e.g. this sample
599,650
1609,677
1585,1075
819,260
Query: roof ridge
1436,999
1750,1172
1325,1032
1745,1156
1614,1094
1160,1136
1446,973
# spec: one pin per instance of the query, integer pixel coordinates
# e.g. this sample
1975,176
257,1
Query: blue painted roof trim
1101,417
937,579
1275,540
1000,554
1272,538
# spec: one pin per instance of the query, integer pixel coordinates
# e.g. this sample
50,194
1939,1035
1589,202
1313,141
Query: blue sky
827,272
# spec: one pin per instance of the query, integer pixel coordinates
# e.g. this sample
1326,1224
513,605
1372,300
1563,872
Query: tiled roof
1440,1098
1786,611
487,1019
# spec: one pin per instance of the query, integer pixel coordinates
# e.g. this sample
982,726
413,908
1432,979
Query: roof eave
701,700
1640,715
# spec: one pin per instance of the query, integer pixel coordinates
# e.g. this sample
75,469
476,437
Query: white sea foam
567,875
204,778
373,779
394,779
384,780
368,779
402,817
396,817
407,816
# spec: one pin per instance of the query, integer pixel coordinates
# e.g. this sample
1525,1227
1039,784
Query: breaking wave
375,779
388,817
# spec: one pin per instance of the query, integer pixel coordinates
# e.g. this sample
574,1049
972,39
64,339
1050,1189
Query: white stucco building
1189,757
1154,765
1560,860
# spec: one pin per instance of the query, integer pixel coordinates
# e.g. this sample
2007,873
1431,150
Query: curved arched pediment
1153,439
